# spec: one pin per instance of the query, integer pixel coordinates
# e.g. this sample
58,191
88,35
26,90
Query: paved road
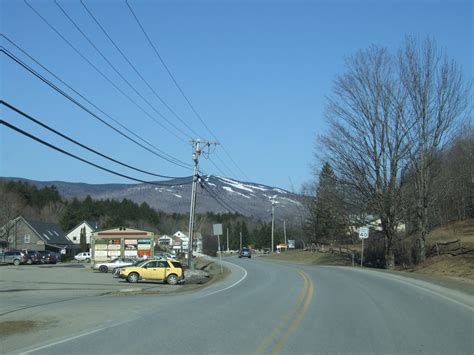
269,307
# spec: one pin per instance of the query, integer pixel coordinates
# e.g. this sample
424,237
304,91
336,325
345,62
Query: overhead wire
87,100
38,122
179,87
136,70
39,140
161,153
125,79
97,69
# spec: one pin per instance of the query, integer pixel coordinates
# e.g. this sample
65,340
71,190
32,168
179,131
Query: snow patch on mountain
237,185
227,188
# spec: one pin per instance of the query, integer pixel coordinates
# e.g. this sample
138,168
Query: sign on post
217,230
291,244
363,234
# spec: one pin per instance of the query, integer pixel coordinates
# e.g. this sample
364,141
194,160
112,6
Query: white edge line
230,286
74,337
401,279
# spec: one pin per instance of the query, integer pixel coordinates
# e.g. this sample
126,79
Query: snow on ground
236,184
290,200
227,188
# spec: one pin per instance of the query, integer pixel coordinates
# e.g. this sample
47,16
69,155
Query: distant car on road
159,270
113,264
84,256
245,253
267,251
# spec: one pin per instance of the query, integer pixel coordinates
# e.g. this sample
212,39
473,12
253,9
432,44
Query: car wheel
16,262
103,268
250,256
133,277
240,256
88,260
172,279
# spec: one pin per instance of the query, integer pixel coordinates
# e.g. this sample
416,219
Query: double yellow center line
290,321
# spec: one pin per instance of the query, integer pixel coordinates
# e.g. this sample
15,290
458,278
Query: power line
135,69
98,70
123,78
179,87
81,159
162,154
38,122
88,101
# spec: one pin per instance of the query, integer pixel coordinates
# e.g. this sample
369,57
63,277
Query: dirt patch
8,328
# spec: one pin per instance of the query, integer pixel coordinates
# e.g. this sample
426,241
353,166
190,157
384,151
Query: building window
26,239
74,238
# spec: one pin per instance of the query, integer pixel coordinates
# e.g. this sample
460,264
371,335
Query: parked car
159,270
116,270
49,257
84,256
245,253
112,264
33,257
267,251
13,257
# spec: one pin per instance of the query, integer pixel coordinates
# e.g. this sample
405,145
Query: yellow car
170,271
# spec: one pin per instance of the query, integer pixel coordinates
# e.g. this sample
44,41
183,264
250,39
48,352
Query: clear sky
257,72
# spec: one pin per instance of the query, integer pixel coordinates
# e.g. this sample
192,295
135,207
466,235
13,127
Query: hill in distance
214,194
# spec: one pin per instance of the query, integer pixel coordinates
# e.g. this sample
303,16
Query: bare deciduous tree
366,142
437,97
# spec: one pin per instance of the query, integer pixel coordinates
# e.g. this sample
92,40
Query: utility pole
284,229
197,152
227,239
240,240
273,222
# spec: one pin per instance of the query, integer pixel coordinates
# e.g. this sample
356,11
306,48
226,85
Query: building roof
50,233
92,225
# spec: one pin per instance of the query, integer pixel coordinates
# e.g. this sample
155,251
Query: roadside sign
363,232
217,229
291,244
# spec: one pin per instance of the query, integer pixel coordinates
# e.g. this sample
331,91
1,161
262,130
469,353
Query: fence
454,248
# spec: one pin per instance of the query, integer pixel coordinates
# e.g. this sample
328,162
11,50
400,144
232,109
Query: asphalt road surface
272,307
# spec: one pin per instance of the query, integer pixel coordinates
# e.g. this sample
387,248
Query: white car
84,256
113,264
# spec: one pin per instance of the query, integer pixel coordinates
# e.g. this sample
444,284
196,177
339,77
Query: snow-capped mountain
214,194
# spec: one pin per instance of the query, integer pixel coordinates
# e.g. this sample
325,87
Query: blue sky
257,72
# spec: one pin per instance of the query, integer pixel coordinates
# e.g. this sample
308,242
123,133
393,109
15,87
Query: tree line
399,147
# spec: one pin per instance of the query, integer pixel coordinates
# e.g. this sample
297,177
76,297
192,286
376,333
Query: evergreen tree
82,239
326,219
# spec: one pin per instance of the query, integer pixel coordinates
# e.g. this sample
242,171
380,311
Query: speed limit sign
363,232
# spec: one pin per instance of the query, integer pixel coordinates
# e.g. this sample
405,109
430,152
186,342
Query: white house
75,234
169,242
185,241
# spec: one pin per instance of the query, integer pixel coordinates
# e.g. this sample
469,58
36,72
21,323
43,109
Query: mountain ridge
214,194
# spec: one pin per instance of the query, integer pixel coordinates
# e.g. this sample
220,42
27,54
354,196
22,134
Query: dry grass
462,230
459,267
309,257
